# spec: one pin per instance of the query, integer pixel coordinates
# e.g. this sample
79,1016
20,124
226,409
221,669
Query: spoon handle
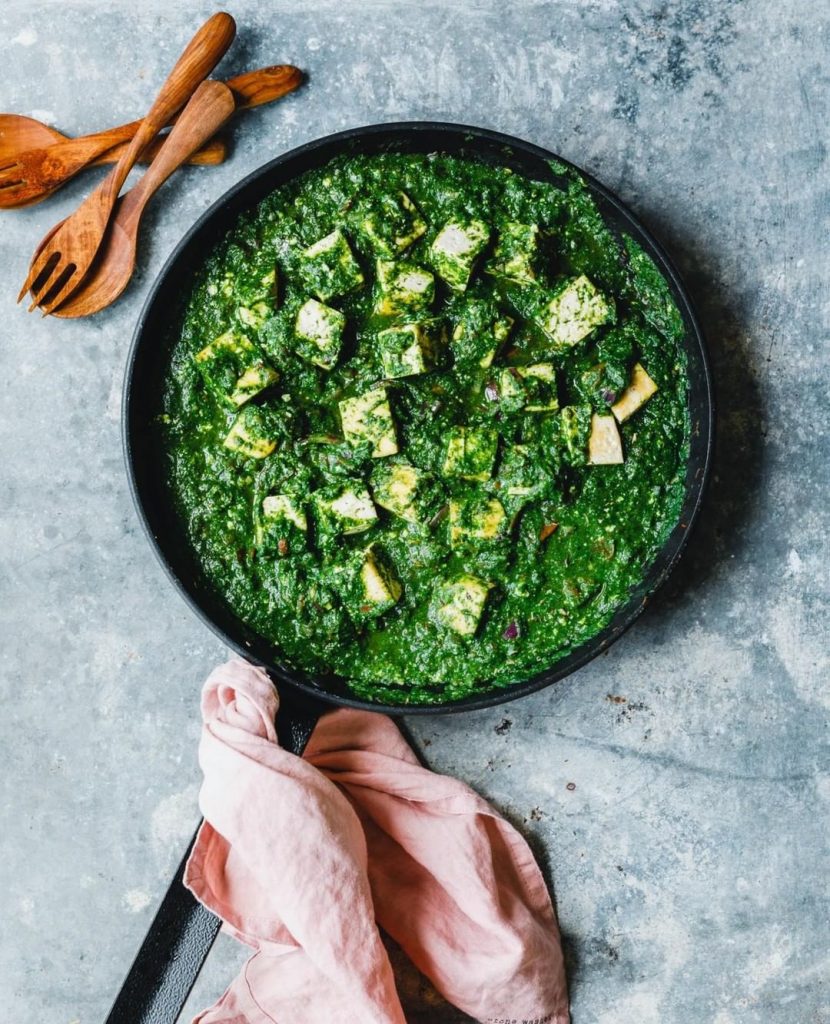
207,110
252,89
200,57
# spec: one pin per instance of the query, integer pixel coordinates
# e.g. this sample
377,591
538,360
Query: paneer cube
381,589
255,315
403,287
575,428
405,491
250,434
344,510
368,417
319,333
282,525
516,252
525,388
526,473
638,392
252,382
284,506
410,349
328,267
233,369
455,250
574,311
256,284
604,444
367,584
479,334
540,384
471,452
475,518
459,602
393,225
510,391
257,297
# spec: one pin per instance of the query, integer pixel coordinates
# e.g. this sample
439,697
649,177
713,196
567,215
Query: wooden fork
61,264
207,110
40,166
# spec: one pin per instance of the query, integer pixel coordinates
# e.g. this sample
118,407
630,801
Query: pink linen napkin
303,858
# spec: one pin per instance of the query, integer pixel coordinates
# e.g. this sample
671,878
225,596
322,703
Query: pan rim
669,552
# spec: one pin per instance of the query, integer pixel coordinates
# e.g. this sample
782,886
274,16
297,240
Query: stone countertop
677,789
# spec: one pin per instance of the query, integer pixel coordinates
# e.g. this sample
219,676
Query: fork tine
59,291
40,269
11,176
40,272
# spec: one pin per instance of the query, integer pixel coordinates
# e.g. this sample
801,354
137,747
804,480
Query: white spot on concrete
25,37
640,1006
794,561
172,825
135,900
27,910
801,644
767,966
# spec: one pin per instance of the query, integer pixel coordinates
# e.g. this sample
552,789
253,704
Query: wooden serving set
86,261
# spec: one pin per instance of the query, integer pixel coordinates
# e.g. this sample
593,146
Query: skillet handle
183,931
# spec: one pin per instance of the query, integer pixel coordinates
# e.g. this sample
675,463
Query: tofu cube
471,452
475,518
367,584
638,392
573,312
516,252
604,444
455,250
393,225
282,525
344,510
575,428
403,287
409,349
479,334
405,491
459,602
233,369
328,267
250,434
318,330
368,417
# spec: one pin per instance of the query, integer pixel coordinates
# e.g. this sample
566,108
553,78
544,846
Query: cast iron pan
182,932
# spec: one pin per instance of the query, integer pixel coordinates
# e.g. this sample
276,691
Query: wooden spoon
209,107
35,160
61,264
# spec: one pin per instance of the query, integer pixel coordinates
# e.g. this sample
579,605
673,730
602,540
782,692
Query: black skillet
182,932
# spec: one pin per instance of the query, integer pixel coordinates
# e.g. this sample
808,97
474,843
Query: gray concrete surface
677,790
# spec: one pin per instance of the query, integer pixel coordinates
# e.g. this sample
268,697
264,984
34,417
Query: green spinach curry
426,423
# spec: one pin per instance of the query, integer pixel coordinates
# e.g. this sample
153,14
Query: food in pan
426,422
